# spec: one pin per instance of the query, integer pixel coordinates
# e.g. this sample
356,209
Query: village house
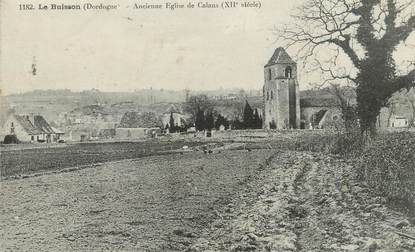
398,122
136,125
319,112
178,116
228,97
30,128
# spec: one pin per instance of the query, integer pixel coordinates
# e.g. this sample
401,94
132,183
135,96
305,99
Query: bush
387,166
349,144
10,139
315,143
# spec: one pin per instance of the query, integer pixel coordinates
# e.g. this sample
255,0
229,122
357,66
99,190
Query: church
281,92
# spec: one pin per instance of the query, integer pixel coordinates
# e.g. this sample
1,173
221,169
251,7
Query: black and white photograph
182,125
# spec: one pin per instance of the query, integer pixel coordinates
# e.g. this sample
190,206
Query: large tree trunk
412,123
369,106
368,127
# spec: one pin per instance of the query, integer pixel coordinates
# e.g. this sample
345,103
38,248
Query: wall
134,133
284,105
385,119
399,123
129,133
19,131
176,116
329,118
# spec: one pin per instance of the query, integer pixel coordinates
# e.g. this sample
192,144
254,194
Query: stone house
178,116
398,122
30,128
136,125
319,113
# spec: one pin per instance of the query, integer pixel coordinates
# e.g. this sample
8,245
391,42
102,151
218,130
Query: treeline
205,117
208,120
204,121
251,119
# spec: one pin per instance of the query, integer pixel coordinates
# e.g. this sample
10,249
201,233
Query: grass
387,165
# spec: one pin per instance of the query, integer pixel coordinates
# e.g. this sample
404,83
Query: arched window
267,96
269,74
288,72
272,95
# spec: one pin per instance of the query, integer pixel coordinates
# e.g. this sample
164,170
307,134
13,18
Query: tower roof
280,56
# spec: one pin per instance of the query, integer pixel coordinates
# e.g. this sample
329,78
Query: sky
130,49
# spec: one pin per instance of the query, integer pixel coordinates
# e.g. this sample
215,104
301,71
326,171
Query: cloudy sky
132,49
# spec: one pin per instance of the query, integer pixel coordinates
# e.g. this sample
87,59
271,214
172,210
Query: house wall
19,131
333,115
399,123
387,120
49,138
176,116
134,133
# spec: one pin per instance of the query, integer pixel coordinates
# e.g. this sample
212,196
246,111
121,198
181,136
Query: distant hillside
52,103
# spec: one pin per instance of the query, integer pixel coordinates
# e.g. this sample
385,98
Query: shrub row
387,165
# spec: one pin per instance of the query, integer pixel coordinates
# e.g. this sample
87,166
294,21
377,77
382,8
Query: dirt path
308,202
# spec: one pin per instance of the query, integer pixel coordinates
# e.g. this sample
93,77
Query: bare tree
197,103
344,97
367,32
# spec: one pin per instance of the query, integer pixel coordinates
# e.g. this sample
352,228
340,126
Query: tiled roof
318,102
43,125
57,131
27,125
174,109
280,56
40,125
137,120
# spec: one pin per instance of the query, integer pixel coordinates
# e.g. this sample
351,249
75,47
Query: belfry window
288,72
269,74
272,95
267,96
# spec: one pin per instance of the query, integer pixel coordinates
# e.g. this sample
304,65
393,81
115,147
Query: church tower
281,92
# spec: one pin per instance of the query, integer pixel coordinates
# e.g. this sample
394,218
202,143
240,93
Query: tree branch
403,82
336,77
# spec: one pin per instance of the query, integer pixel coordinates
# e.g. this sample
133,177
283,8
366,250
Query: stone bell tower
281,92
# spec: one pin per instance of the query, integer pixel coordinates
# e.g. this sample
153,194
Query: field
156,203
26,161
252,191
